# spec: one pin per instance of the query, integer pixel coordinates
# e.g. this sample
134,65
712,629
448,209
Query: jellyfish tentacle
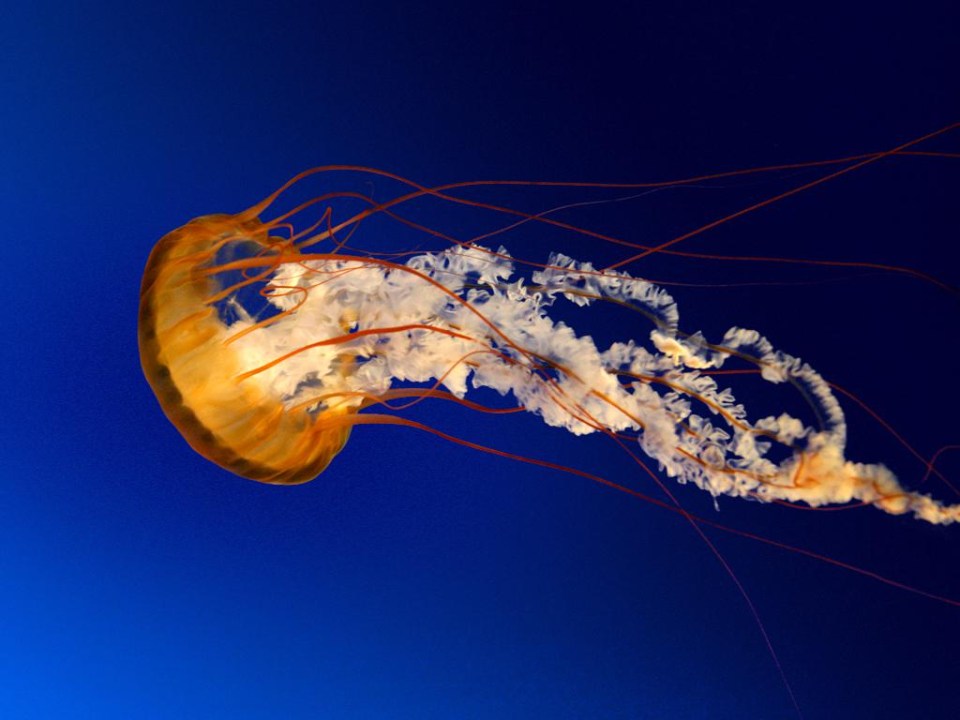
414,322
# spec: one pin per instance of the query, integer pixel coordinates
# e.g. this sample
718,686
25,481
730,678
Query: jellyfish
268,339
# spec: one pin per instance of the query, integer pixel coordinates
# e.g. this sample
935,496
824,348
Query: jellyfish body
193,371
272,397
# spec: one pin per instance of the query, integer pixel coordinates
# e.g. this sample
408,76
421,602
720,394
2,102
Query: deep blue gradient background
416,579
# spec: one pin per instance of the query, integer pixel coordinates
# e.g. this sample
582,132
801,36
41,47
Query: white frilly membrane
502,337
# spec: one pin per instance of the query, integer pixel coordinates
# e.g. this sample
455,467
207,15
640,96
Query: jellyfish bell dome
195,371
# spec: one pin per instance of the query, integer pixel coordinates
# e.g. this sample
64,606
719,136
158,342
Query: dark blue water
416,579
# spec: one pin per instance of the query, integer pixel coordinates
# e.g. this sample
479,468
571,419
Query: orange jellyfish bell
194,370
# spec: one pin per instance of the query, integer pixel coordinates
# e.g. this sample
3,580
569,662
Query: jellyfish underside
273,397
